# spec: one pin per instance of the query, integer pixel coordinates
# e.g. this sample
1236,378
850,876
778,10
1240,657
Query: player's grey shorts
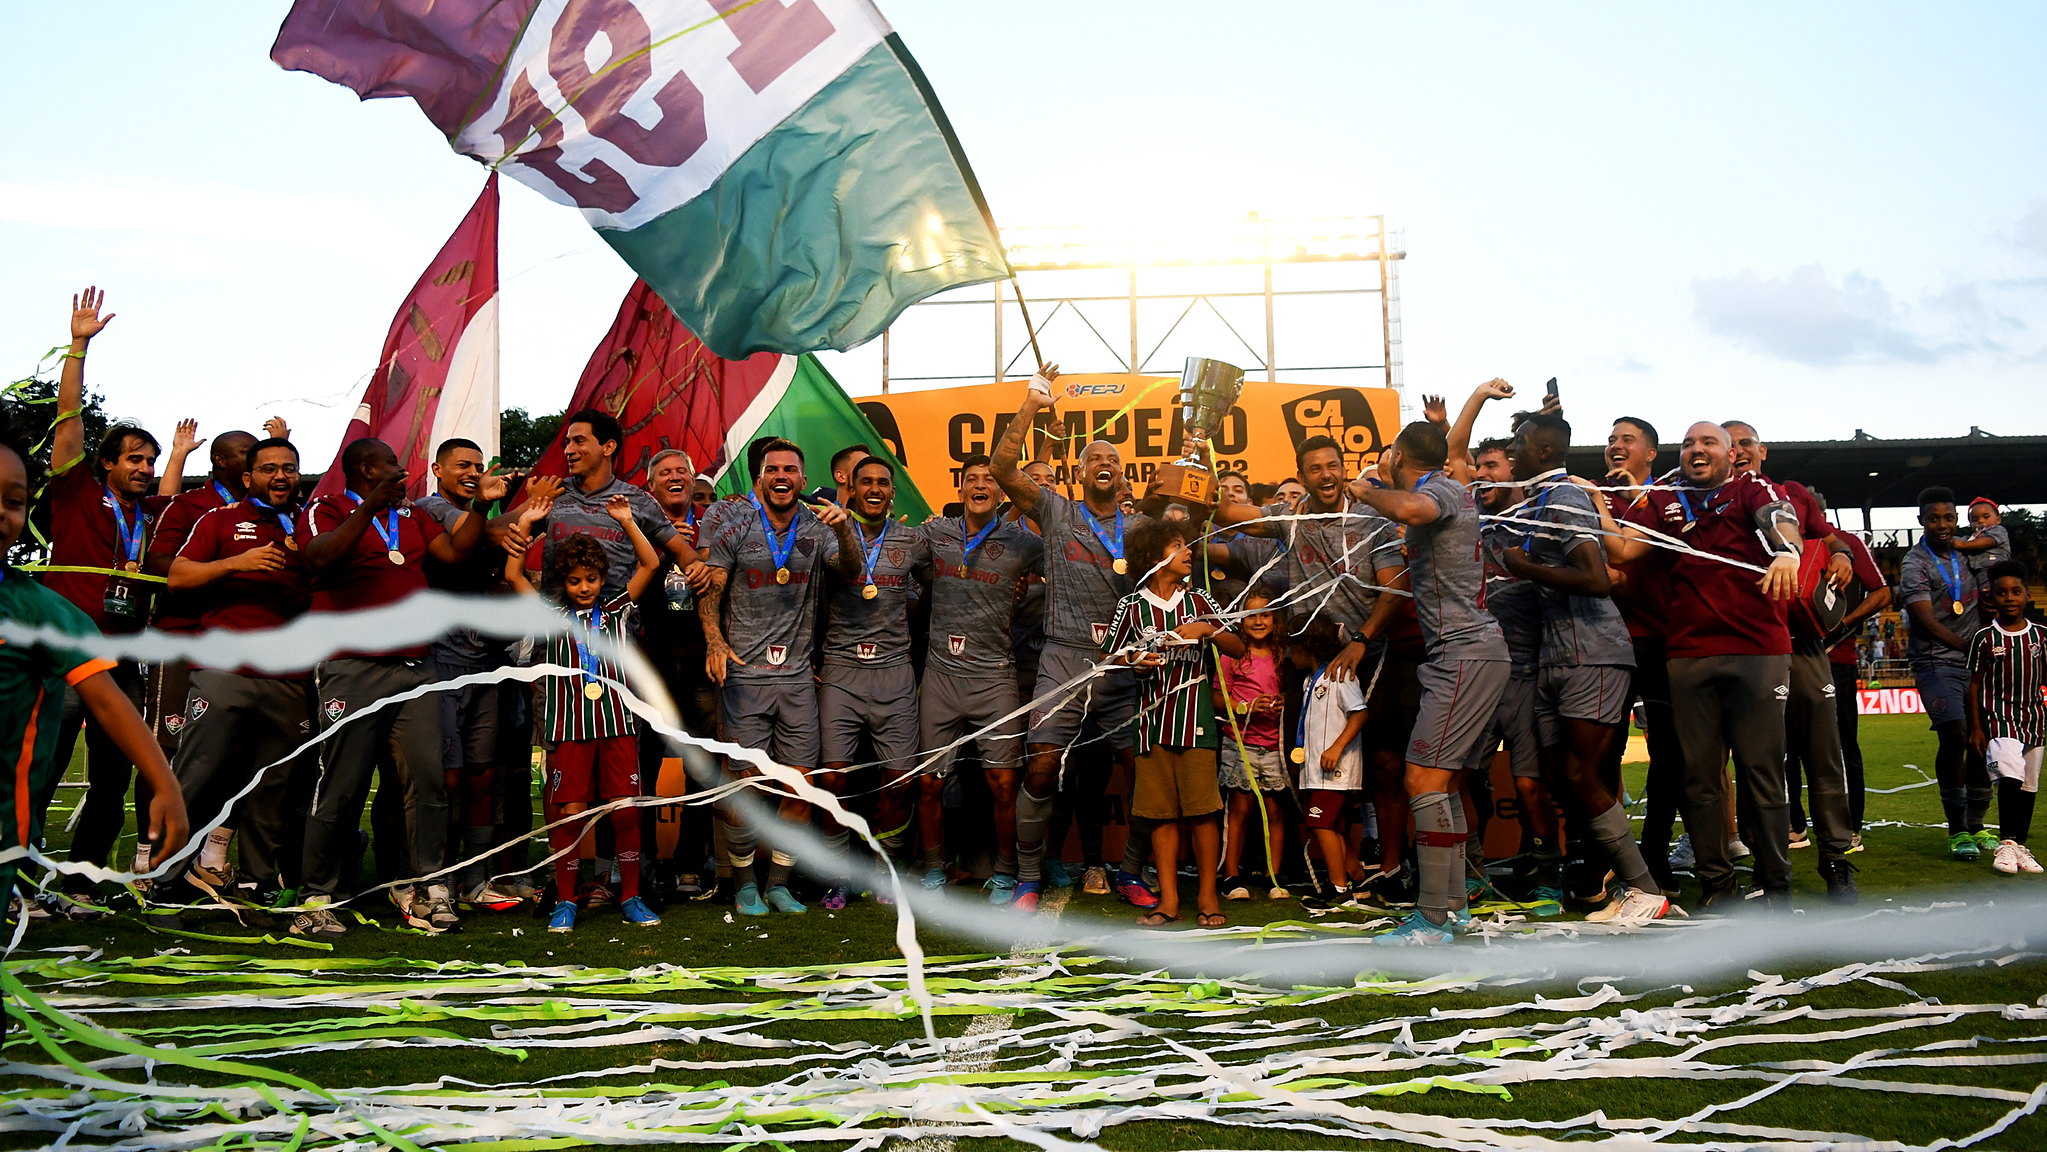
1943,687
1595,692
1458,701
878,702
1513,728
1104,705
952,706
777,716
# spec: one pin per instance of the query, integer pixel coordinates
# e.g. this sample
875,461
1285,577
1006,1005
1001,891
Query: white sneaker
1736,850
1635,907
2006,859
1800,838
2026,861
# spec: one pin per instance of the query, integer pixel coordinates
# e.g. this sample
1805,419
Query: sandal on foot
1211,920
1156,920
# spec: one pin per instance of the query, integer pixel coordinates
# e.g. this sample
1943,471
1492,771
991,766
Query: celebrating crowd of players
1333,668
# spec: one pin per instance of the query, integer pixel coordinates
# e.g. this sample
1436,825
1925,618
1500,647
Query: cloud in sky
2030,234
1809,319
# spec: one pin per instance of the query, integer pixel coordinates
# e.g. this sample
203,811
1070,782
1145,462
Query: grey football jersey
1448,582
1343,551
771,627
862,633
974,600
1576,630
1514,602
577,512
1082,587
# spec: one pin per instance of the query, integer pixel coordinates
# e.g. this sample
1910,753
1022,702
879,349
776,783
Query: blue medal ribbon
777,548
873,552
390,534
1114,547
284,520
1953,579
130,539
221,490
967,546
1301,723
1541,502
587,655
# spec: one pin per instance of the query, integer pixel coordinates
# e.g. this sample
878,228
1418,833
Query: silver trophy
1208,390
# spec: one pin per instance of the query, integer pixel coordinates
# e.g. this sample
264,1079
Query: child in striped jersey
2007,718
592,740
1159,630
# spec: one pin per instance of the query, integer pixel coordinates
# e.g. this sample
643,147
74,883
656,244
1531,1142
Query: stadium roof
1866,472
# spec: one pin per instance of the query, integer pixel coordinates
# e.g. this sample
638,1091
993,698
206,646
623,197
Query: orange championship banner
933,431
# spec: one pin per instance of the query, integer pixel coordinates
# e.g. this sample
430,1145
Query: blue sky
1816,217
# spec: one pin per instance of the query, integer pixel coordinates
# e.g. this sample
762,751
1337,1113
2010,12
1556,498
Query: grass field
1918,1018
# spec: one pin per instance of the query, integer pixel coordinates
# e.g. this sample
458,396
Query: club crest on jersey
1101,632
174,723
333,709
778,654
957,645
895,556
198,707
866,651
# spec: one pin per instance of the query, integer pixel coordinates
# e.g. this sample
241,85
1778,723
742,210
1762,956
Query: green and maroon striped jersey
1174,705
2012,667
566,713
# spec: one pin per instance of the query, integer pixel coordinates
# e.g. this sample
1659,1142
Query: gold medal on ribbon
1298,755
869,592
292,543
1119,567
396,557
1958,607
136,566
781,575
1243,707
962,573
593,691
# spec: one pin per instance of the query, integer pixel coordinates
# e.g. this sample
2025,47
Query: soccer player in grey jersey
1587,660
760,624
1086,575
1467,668
868,687
979,561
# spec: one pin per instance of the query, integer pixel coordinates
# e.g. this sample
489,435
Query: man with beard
169,679
760,622
1339,557
1086,576
241,570
1812,729
1729,649
868,687
1582,689
673,638
1939,595
471,716
979,562
367,548
1467,666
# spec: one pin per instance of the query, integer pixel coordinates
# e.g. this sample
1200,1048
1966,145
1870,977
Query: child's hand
1195,630
1332,757
537,509
1269,702
1979,741
619,508
1147,659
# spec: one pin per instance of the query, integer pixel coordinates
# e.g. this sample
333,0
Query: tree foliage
522,438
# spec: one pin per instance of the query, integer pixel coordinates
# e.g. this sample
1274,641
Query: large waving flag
778,170
438,374
669,391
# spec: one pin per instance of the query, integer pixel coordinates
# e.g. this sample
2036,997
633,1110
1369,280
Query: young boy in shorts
2007,718
1159,631
1330,756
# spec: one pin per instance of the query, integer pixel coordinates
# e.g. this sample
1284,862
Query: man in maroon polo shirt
241,569
366,548
1729,649
175,612
100,513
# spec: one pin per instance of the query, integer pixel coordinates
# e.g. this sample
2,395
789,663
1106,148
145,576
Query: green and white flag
801,403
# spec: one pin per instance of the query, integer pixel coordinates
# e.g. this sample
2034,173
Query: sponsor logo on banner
957,645
866,651
1101,632
778,654
1889,702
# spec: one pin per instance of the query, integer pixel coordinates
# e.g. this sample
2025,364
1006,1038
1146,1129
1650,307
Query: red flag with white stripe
438,375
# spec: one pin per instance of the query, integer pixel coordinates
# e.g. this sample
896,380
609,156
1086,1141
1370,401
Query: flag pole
1060,444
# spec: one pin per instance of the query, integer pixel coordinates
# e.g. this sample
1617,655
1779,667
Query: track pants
409,734
1735,704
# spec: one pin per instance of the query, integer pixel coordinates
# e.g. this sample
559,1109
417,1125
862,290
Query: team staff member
1086,576
1729,649
169,679
1845,667
980,562
1466,671
760,622
366,548
867,686
242,569
99,521
471,716
1939,595
33,681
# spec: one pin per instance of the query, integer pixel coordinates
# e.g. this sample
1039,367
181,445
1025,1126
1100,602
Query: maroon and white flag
438,374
